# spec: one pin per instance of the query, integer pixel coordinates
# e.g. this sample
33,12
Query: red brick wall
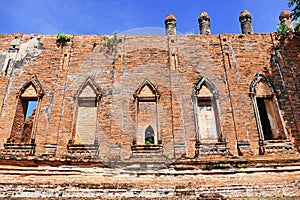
228,61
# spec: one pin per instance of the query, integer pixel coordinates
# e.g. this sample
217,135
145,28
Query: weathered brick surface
173,64
229,61
95,183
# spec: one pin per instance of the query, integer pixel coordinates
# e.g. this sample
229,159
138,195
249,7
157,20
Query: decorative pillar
246,22
204,23
170,24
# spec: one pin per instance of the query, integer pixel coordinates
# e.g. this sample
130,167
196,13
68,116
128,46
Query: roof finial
204,23
170,23
246,22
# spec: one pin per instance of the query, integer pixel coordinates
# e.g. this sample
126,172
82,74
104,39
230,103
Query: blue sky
109,16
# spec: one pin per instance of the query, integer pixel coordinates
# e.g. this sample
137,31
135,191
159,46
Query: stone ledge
207,163
147,150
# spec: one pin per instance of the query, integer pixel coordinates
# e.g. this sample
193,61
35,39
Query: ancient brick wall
121,85
173,64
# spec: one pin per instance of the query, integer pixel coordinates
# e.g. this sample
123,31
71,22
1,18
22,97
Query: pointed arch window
27,111
85,122
206,112
147,115
266,109
149,135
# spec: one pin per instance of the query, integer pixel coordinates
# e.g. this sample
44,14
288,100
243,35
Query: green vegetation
239,165
110,42
296,9
113,41
241,35
149,140
282,28
62,39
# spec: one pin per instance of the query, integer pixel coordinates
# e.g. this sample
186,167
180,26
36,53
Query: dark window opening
264,119
149,135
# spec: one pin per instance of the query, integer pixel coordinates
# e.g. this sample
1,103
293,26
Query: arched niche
85,122
28,105
266,109
206,112
147,99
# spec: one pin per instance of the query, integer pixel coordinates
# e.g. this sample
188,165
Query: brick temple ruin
208,116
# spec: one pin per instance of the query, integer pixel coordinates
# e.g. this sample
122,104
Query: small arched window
149,135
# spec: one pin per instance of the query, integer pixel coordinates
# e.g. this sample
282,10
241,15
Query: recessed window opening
29,106
147,114
206,112
266,110
86,120
149,135
27,112
85,116
268,119
207,119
